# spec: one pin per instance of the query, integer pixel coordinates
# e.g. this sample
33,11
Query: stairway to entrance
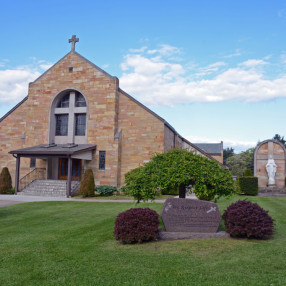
49,188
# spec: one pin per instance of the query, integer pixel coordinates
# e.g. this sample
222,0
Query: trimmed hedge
136,225
247,219
247,186
5,181
106,190
87,186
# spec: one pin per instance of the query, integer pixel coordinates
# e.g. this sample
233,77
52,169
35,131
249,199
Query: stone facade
262,153
118,124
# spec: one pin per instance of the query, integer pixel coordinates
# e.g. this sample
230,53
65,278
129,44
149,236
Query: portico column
17,175
69,176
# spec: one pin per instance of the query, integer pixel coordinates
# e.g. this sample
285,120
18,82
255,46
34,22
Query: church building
74,117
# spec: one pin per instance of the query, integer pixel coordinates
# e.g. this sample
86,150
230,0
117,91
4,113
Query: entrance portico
68,157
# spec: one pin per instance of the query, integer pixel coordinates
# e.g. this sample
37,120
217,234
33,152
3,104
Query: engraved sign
185,215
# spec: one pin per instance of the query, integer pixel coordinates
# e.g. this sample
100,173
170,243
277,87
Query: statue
271,170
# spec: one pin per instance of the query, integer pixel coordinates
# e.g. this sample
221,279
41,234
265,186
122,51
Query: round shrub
106,190
87,186
247,219
136,225
5,181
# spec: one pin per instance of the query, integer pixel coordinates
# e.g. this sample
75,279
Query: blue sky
215,70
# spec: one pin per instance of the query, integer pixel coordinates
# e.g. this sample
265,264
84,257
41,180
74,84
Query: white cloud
158,80
14,84
253,63
237,145
236,53
45,66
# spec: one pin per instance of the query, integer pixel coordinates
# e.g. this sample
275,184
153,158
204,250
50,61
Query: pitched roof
210,148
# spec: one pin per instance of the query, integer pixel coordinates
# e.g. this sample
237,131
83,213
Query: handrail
36,174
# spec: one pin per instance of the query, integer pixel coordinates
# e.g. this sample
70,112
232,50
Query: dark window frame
32,163
64,102
102,159
80,124
62,125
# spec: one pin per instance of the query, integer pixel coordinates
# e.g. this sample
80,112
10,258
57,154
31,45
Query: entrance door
63,169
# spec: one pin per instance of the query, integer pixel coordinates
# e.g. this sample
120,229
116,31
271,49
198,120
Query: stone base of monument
165,235
272,191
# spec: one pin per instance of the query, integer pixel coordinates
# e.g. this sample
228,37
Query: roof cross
73,40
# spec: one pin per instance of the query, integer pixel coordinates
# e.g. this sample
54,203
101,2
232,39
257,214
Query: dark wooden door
63,169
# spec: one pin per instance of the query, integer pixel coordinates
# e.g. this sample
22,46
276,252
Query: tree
228,152
87,186
179,168
240,162
5,181
280,139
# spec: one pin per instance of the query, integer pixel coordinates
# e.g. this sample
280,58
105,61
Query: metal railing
36,174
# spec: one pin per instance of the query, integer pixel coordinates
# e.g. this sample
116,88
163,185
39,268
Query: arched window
68,118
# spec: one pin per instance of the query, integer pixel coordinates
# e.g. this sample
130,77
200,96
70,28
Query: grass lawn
71,243
120,197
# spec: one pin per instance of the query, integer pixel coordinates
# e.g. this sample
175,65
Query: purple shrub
247,219
136,225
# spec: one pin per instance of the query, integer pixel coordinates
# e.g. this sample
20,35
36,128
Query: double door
76,169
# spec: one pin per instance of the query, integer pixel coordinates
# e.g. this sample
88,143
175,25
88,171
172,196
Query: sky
215,70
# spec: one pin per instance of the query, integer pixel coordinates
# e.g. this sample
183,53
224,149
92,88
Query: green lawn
71,243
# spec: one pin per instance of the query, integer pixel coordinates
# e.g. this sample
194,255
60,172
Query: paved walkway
7,200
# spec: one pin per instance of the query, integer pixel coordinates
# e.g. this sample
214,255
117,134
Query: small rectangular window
102,160
33,163
80,120
62,124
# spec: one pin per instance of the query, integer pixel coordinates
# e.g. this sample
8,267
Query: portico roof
53,150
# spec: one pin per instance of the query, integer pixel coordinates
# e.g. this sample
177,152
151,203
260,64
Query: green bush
248,186
248,173
87,186
171,169
106,190
5,181
174,192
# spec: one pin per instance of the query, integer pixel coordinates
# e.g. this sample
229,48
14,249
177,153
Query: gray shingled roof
210,148
54,150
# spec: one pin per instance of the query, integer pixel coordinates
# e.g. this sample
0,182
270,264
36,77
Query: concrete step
49,188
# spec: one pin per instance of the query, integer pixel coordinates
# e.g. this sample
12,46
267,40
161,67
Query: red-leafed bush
136,225
246,219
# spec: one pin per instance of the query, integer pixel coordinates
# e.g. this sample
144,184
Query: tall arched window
68,118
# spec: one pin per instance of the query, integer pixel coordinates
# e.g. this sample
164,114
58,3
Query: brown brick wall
169,139
142,134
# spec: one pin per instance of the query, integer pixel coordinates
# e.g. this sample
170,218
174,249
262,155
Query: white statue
271,170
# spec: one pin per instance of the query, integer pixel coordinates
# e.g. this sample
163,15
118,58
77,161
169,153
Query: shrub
5,181
87,187
246,219
248,173
136,225
248,186
106,190
169,170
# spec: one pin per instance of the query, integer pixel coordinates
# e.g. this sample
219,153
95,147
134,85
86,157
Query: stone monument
187,218
269,164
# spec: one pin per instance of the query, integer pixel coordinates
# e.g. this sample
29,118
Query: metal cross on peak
73,40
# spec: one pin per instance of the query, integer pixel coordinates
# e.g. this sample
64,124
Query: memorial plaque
186,215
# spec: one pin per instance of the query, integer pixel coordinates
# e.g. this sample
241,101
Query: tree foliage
169,170
5,181
280,139
228,152
87,186
240,162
